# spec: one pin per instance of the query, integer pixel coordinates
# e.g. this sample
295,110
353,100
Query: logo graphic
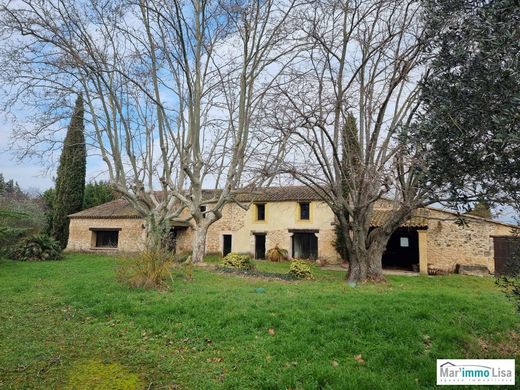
476,372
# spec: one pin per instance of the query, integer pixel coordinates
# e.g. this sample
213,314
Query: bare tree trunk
375,260
199,244
366,264
365,253
156,230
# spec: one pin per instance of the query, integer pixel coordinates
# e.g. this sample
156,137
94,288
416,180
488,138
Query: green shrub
39,247
150,268
277,254
300,269
238,261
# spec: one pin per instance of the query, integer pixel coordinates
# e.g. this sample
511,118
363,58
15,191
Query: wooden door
506,252
259,246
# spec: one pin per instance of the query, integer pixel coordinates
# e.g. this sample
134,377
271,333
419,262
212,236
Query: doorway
402,250
226,244
259,245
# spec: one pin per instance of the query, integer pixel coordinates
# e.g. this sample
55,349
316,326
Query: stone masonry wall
450,244
233,217
81,238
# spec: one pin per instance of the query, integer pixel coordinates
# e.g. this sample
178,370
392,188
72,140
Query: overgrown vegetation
149,269
238,261
277,254
214,332
20,217
301,269
39,247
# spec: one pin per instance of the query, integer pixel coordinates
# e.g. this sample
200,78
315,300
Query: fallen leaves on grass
427,341
359,359
215,360
271,331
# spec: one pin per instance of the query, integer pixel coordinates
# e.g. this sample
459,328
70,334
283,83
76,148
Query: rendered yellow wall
280,217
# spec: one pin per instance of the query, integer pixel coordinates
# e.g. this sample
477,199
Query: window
260,212
404,242
107,238
304,246
203,211
305,212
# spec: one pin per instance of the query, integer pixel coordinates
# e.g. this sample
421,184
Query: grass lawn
70,324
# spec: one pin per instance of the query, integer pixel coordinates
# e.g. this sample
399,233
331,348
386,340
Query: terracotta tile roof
418,220
120,208
280,194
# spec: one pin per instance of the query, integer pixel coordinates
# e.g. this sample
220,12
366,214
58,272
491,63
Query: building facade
293,218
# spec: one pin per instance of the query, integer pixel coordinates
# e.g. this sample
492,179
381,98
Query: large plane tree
170,88
343,108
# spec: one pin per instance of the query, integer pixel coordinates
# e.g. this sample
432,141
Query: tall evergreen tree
70,180
470,127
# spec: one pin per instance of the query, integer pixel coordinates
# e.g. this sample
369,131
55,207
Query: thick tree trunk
366,263
199,244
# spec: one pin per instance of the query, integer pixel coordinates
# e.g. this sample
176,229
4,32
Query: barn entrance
402,250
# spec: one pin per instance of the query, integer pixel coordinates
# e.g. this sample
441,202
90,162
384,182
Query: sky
33,175
30,175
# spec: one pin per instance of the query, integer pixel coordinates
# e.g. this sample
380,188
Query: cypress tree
70,178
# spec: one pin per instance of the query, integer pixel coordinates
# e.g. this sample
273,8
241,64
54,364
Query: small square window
405,242
260,212
305,213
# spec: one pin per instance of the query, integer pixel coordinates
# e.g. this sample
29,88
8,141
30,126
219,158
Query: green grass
70,322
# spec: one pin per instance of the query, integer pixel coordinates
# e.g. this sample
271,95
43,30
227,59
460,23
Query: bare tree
170,88
343,105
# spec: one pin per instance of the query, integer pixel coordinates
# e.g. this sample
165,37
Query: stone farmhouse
294,218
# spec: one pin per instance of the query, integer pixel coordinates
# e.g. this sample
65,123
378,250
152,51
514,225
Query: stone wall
81,238
450,243
233,219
